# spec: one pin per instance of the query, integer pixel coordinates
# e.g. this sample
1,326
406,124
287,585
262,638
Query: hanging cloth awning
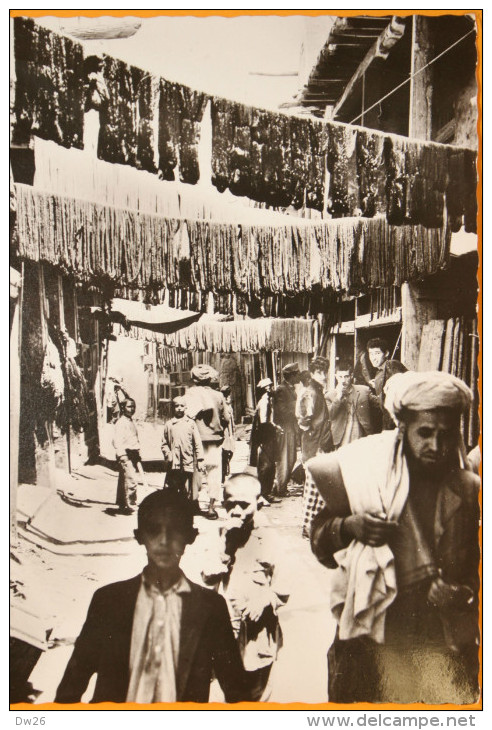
160,318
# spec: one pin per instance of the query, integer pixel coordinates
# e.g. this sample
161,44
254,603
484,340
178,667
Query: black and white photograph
245,360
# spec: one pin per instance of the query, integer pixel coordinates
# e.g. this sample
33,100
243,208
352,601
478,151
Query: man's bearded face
432,436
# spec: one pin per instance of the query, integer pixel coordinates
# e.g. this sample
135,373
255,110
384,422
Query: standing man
400,530
314,420
316,438
263,440
374,369
209,410
229,444
127,448
182,451
351,408
284,416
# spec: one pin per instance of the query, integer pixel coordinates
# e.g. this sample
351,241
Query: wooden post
50,475
14,411
421,88
413,311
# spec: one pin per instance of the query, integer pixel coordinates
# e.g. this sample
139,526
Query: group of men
302,411
397,525
197,443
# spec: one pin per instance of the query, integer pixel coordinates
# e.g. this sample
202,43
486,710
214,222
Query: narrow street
71,542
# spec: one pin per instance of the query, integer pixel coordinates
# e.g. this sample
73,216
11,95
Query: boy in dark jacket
156,637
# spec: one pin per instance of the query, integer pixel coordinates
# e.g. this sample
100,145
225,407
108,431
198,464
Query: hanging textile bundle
148,108
168,129
461,191
247,335
370,173
119,114
191,106
49,89
149,252
180,114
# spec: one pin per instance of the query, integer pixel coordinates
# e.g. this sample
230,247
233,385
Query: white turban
425,391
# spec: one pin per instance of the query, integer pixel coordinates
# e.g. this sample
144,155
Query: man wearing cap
400,528
263,440
284,416
209,410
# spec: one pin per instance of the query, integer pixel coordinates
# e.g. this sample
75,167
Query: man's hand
448,595
370,529
254,605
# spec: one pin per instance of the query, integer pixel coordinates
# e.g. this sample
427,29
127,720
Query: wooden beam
367,61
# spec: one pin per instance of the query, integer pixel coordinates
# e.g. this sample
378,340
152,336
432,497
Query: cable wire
383,98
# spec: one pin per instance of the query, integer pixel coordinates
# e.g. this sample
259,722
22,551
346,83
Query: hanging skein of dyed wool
396,180
434,172
222,141
316,165
338,167
370,173
119,115
191,106
168,129
49,88
148,94
240,151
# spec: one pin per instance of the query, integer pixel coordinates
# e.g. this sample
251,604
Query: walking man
208,408
284,416
263,440
127,448
400,531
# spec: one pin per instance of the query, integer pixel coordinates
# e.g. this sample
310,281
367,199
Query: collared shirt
264,408
154,649
181,444
125,436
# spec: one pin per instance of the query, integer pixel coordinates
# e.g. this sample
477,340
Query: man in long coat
284,416
400,528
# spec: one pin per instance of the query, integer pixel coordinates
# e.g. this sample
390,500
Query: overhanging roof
349,41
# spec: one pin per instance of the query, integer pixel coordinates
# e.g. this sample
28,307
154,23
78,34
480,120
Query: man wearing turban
208,408
400,530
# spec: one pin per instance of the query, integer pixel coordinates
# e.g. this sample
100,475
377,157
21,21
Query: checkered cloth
312,504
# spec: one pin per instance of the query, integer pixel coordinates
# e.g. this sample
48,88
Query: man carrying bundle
400,527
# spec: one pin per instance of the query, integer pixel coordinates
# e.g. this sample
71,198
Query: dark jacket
284,407
207,646
364,406
318,436
390,368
